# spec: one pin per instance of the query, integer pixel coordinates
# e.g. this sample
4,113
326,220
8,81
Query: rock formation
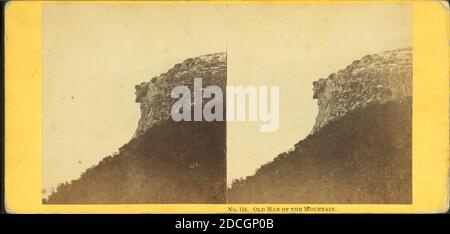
166,161
376,78
360,148
154,96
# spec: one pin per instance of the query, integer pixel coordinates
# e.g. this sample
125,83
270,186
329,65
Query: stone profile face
166,162
154,95
376,78
360,148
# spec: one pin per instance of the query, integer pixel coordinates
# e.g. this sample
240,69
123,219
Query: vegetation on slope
364,157
173,162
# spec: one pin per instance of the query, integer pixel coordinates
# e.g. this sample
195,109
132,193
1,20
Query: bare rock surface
376,78
154,96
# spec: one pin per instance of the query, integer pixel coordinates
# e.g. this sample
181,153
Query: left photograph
108,135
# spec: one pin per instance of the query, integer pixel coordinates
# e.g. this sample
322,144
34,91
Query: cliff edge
377,78
359,151
154,96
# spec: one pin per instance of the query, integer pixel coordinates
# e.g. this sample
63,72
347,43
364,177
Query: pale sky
94,55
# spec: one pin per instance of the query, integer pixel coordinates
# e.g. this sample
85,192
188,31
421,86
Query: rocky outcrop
166,162
377,78
154,96
360,149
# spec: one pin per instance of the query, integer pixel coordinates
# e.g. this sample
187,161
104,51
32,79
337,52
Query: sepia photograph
226,103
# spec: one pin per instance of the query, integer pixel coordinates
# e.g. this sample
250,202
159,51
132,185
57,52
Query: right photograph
345,105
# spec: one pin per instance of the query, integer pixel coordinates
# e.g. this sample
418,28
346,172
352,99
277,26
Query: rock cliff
377,78
360,148
154,96
166,161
